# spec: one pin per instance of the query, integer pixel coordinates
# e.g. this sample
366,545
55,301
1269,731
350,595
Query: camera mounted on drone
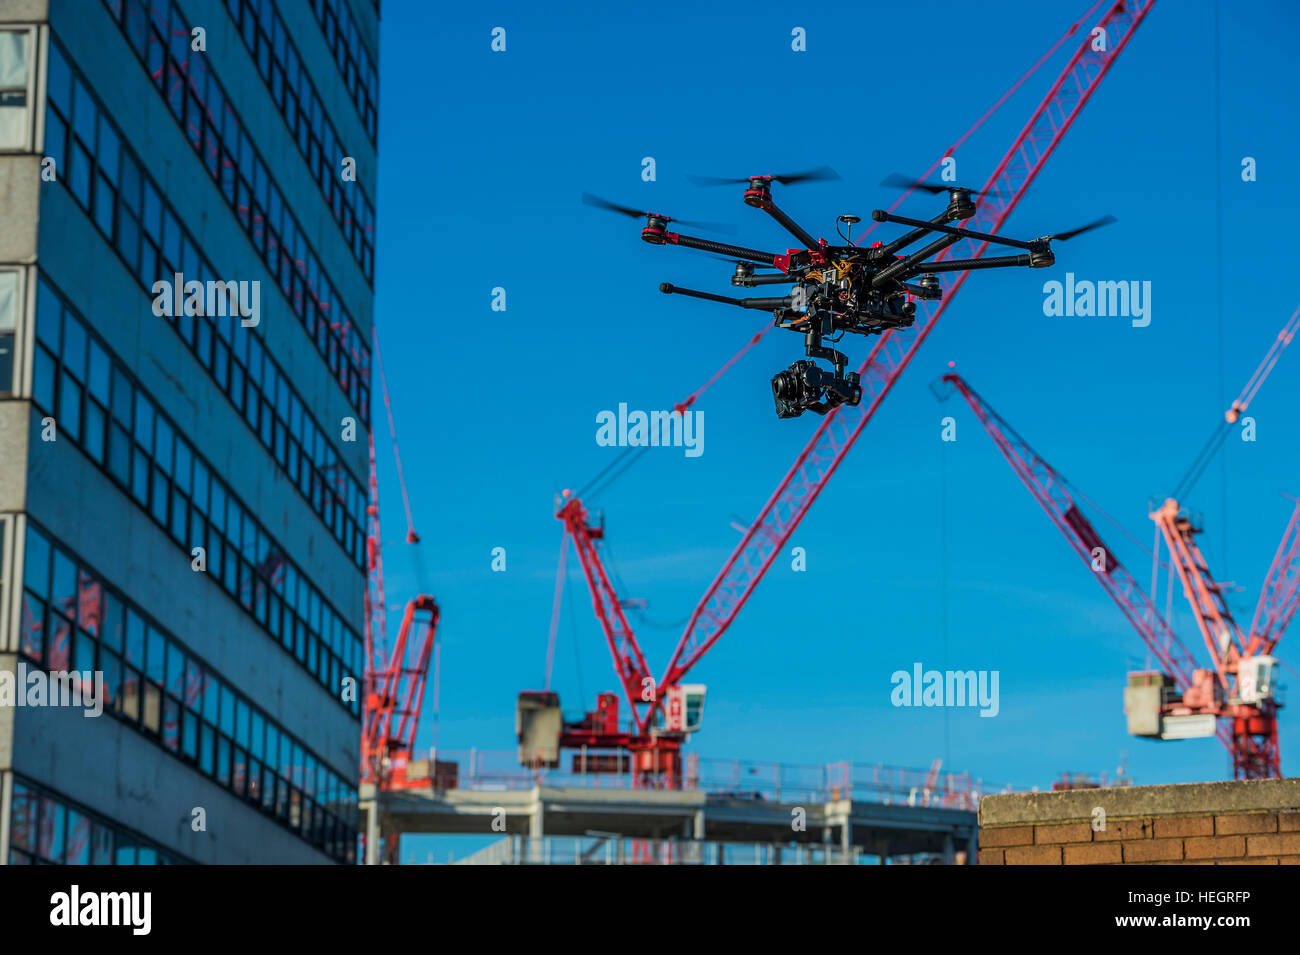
838,289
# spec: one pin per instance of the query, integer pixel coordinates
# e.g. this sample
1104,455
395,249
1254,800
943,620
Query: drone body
838,289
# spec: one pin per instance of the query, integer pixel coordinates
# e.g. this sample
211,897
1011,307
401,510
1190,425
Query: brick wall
1254,822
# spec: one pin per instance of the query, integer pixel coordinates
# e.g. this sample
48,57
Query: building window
270,45
145,231
250,378
163,691
10,305
47,829
152,460
15,89
353,60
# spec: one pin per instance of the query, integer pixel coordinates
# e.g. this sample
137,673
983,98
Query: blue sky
483,157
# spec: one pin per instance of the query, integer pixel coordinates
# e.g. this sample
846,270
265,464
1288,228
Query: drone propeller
1062,236
786,179
600,203
896,181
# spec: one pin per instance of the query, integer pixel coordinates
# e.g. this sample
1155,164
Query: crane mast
393,682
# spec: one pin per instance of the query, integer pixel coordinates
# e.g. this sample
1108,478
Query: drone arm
880,215
721,248
779,278
963,265
765,304
906,266
908,238
772,209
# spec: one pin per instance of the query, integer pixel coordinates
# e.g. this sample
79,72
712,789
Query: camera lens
790,391
785,386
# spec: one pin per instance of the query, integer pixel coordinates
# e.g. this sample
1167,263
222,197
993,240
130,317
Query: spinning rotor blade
786,179
1062,236
897,181
605,204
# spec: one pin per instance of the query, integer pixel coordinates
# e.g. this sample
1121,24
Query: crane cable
560,577
1233,414
411,536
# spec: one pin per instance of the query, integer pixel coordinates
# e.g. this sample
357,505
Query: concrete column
972,847
536,829
846,839
698,824
6,810
372,832
947,848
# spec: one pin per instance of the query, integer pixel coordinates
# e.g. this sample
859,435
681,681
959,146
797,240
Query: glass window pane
144,421
74,346
43,379
193,683
155,658
36,562
58,80
70,405
50,840
152,218
107,151
112,625
129,186
63,584
98,374
78,850
79,173
134,638
163,445
122,398
175,672
211,698
90,602
102,847
31,636
48,316
227,723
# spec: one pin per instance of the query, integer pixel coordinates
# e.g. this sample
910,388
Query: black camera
806,387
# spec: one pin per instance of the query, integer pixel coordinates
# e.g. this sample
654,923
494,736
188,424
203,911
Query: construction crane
1234,412
1233,699
663,711
394,680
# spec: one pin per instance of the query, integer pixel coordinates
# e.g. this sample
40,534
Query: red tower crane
661,710
1234,698
394,681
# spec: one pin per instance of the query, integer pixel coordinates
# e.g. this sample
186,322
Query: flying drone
839,288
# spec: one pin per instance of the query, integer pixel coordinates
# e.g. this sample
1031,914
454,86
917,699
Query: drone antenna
849,220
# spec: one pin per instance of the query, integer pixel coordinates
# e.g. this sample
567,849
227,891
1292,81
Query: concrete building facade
186,269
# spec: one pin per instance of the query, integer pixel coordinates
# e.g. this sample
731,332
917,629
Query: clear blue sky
483,157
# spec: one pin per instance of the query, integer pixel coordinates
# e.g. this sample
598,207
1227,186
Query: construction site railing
499,770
